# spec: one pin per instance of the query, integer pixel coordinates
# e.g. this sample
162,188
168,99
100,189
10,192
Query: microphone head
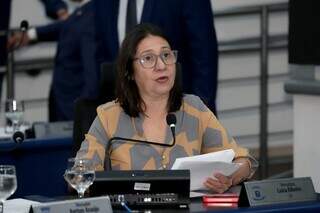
171,119
24,25
18,137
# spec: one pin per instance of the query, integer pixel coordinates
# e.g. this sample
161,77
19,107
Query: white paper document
203,166
201,193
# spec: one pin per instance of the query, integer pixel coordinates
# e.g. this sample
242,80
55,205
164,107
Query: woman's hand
220,184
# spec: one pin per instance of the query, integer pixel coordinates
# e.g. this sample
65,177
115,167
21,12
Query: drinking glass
80,174
14,112
8,183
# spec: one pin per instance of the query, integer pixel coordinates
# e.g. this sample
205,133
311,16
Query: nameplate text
85,205
276,191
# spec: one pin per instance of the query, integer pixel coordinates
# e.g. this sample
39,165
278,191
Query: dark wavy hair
127,93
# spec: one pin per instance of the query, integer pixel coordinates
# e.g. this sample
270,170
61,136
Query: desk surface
7,145
197,206
40,165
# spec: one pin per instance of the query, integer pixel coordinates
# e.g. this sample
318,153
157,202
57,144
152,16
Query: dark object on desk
277,191
144,189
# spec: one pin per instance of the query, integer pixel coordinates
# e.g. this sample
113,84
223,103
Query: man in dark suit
5,6
189,26
74,73
304,35
56,9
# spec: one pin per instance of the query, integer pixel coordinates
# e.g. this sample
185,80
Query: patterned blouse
197,132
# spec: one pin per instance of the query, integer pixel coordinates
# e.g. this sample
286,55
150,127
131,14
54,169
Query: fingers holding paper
219,183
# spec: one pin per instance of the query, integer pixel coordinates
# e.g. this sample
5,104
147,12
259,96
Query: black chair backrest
107,82
85,109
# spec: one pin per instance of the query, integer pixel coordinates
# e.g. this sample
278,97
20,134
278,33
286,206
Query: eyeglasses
149,60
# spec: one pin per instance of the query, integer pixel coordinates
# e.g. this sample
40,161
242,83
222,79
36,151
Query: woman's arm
243,173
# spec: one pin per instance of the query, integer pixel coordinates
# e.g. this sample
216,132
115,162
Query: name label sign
85,205
276,191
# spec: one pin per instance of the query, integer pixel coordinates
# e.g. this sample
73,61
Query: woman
147,90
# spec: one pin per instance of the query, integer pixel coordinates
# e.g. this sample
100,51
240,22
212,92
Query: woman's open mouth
162,79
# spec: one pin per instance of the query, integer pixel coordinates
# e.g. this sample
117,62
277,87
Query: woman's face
157,81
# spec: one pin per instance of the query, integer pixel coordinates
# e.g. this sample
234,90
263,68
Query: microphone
171,122
24,25
18,137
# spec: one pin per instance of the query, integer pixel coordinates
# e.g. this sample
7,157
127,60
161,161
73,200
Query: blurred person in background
5,8
74,73
304,42
56,9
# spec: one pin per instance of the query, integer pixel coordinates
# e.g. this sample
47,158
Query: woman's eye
148,58
166,54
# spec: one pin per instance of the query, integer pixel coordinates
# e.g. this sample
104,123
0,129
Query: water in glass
8,183
15,117
80,176
14,112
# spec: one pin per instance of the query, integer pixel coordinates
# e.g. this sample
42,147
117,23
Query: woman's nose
160,65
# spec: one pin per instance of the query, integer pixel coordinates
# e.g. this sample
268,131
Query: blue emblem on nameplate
276,191
258,193
94,204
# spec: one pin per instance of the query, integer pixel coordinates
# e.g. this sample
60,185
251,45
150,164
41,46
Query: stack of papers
203,166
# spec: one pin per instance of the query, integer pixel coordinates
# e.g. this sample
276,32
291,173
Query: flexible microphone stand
171,122
17,136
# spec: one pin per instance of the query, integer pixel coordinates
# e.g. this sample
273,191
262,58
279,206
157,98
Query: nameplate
277,191
85,205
